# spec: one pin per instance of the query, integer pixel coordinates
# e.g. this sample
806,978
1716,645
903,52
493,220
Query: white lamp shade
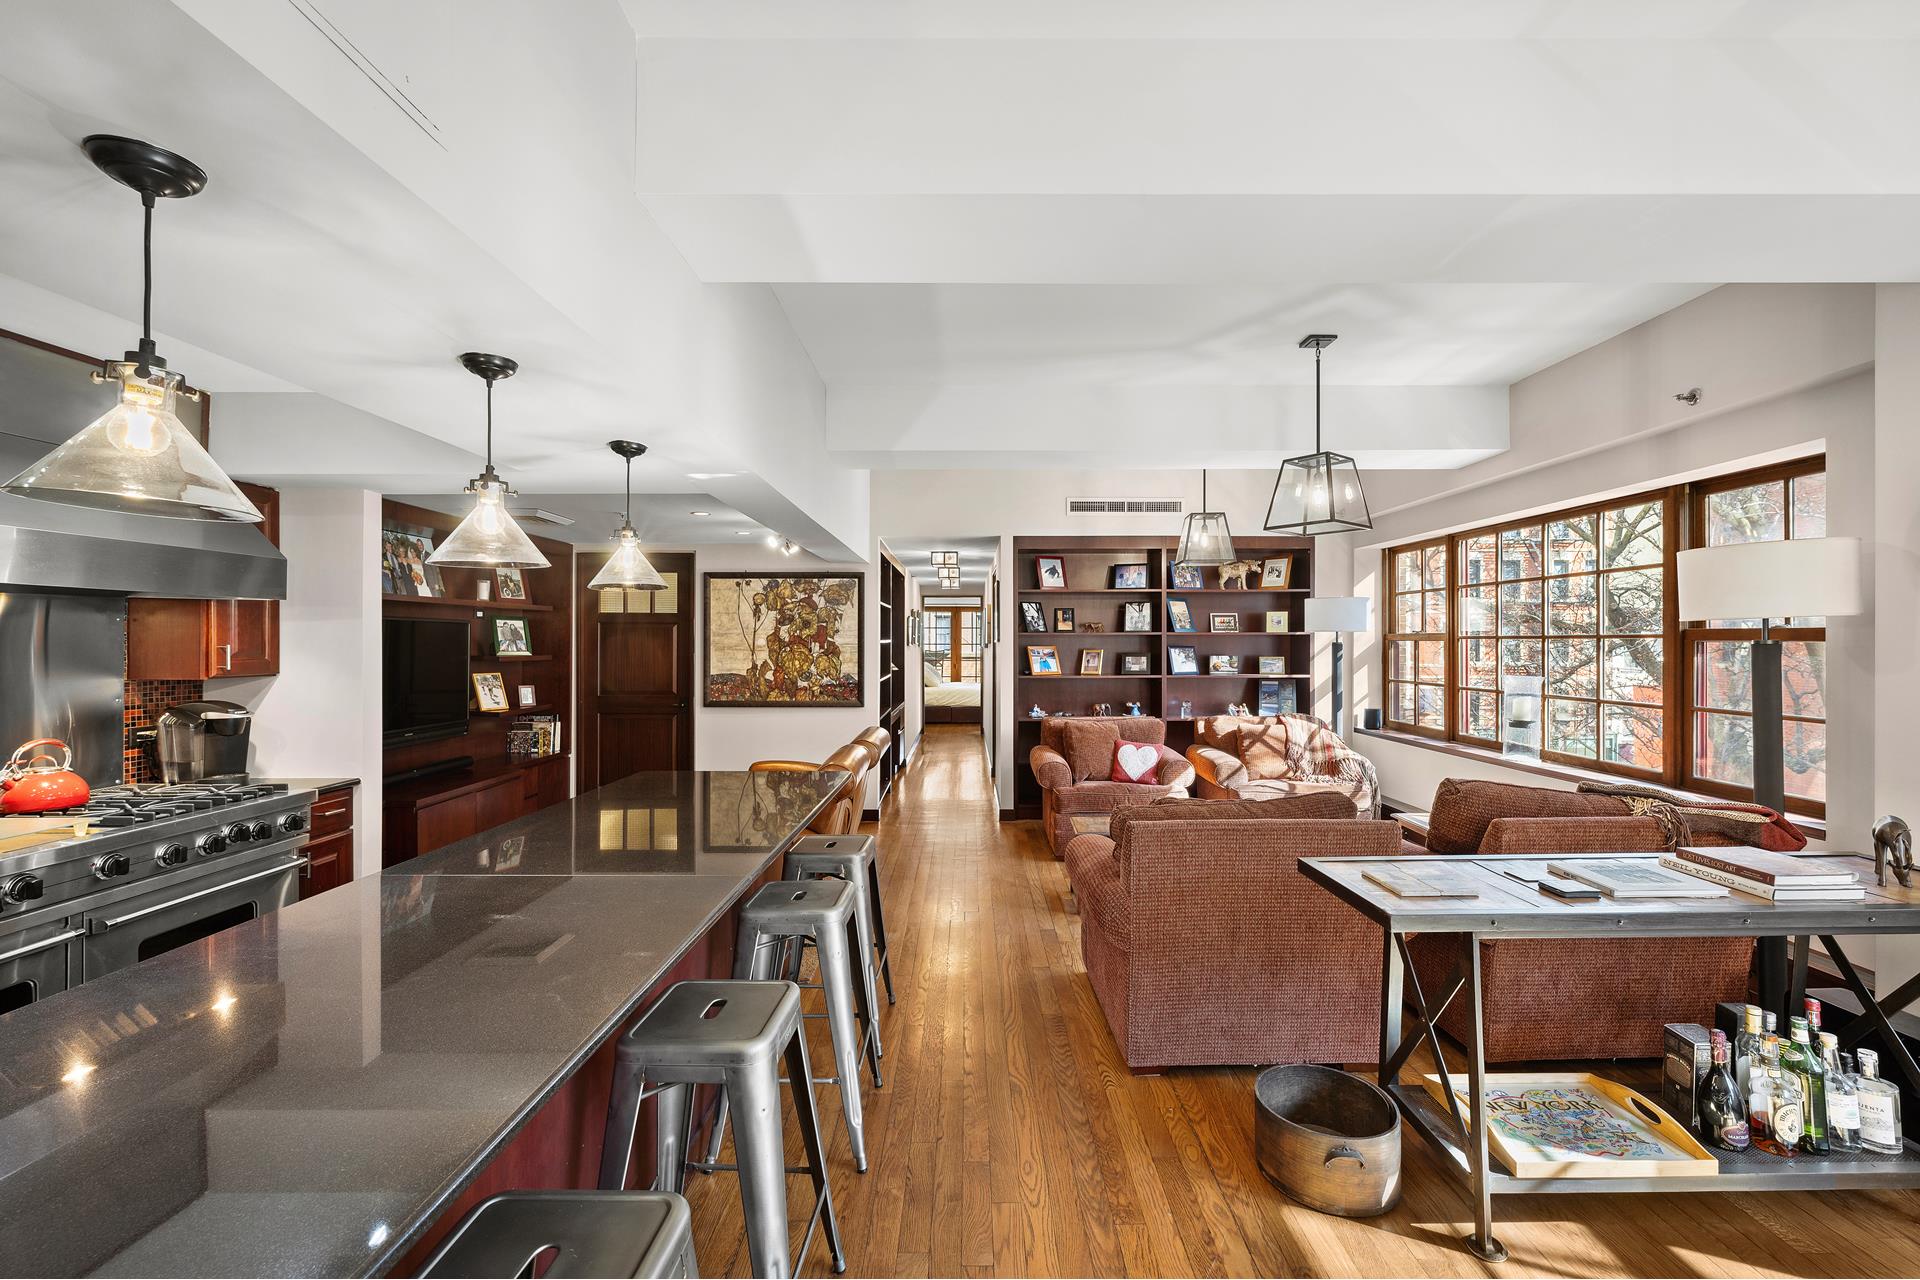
1799,577
1336,613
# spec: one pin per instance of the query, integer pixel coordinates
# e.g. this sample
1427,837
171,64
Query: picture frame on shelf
1278,622
1185,710
1050,572
1136,615
1133,664
527,695
1276,574
1130,577
1189,577
511,638
483,590
1183,660
1033,617
1223,664
1179,616
1223,623
1043,660
510,582
1272,664
490,691
1063,619
1091,661
406,558
1269,699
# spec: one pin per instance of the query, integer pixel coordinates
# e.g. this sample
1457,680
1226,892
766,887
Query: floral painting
776,640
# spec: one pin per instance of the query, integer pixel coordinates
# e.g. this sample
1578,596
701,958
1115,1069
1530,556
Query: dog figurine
1892,849
1234,573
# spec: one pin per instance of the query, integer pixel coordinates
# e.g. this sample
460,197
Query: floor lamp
1338,615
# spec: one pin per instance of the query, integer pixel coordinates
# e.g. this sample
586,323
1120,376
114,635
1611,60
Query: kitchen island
310,1092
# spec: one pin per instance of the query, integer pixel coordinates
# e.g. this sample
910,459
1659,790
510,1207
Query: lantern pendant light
138,456
489,537
1205,538
628,566
1318,492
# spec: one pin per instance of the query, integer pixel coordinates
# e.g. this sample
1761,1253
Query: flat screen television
424,673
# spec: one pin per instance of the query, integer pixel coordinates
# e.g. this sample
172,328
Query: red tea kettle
34,781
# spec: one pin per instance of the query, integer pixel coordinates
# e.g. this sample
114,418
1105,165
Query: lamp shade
1318,493
628,566
1799,577
1336,613
1205,539
489,537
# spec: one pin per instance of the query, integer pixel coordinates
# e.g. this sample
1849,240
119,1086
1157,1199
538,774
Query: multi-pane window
951,641
1417,640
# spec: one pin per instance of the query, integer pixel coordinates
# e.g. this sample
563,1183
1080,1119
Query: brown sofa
1075,760
1207,946
1554,1000
1266,757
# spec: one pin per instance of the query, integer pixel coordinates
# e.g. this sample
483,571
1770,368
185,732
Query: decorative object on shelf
1043,660
1035,713
1093,626
1892,851
1272,664
512,582
785,640
1371,718
1223,622
530,737
1136,615
510,638
490,690
1771,581
1063,619
1130,577
138,457
1579,1125
1337,616
1238,709
1234,574
1032,617
1277,573
1204,537
1091,661
408,561
1223,664
1268,697
1134,709
527,695
1318,492
1188,577
1186,710
1050,572
1179,616
1133,664
489,536
1183,660
1103,708
1520,715
628,566
1278,622
483,591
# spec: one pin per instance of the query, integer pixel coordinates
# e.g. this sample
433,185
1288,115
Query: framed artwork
1219,622
1091,661
1277,620
527,696
1277,574
1136,615
510,639
1189,577
1182,660
1051,571
1043,660
785,640
512,583
1269,702
405,558
1063,619
1130,577
1179,616
1272,664
1223,664
1133,664
490,690
1032,616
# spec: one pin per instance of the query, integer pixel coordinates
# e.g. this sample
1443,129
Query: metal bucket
1328,1138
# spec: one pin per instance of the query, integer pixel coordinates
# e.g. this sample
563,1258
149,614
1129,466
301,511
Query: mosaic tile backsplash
146,699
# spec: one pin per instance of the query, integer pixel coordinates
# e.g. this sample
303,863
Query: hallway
1011,1139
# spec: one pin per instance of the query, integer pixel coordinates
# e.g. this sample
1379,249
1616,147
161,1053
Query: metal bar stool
592,1233
732,1034
855,860
776,926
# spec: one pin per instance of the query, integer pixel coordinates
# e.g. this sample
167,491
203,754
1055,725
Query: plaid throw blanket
1685,821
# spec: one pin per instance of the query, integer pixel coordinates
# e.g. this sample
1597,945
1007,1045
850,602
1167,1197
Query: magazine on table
1635,878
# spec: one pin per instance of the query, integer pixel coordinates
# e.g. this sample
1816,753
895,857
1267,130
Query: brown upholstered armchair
1074,765
842,813
1267,757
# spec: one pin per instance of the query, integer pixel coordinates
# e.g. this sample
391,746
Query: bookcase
1088,567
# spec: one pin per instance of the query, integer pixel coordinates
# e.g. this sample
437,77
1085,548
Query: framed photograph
1063,619
1277,620
1133,664
511,582
1182,660
1091,661
1218,622
1051,572
1043,660
527,697
1189,577
1179,616
1130,577
1269,701
406,555
1136,615
1277,574
490,690
785,640
1032,616
510,638
1223,664
1272,664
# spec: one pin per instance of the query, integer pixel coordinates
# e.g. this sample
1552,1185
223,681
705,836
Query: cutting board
17,834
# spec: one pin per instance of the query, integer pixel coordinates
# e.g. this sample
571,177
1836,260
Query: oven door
33,963
123,934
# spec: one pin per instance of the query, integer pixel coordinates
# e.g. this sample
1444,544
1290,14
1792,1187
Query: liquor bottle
1843,1104
1759,1096
1879,1107
1785,1105
1813,1021
1800,1061
1746,1051
1723,1111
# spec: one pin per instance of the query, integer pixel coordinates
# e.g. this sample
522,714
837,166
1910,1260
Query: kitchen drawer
329,865
332,812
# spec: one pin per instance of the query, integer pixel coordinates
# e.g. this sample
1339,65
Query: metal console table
1505,908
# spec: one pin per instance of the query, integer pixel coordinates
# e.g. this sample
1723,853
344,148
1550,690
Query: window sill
1813,827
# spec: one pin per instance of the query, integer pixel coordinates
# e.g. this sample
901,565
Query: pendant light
628,566
1205,538
489,537
1318,492
138,456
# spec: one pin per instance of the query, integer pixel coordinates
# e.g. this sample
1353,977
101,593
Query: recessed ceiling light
699,513
711,475
745,533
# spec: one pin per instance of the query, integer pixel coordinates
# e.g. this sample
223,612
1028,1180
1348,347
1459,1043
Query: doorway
952,655
635,665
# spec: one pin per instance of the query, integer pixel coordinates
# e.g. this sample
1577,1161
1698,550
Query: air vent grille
1123,506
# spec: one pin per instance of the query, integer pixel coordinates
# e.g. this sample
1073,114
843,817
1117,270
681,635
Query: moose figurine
1234,573
1892,849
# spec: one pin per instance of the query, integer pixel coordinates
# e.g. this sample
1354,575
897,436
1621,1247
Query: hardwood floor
1010,1138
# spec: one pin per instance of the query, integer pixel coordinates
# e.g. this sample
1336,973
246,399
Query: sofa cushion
1267,748
1318,804
1088,746
1462,809
1135,762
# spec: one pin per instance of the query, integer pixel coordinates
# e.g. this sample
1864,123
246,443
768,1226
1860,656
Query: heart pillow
1135,762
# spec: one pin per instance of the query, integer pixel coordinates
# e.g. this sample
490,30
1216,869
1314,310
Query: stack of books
1777,877
532,736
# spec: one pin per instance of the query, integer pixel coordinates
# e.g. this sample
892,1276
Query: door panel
637,657
636,673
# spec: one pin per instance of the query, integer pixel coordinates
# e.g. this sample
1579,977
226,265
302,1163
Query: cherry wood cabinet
208,639
330,843
427,813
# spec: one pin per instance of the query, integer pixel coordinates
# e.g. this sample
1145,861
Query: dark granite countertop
301,1094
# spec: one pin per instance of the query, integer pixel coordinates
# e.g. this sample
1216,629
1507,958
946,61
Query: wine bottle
1723,1111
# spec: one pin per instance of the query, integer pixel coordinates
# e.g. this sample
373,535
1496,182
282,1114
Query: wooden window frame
1445,637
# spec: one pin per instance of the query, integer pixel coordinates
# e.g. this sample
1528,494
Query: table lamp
1338,615
1771,581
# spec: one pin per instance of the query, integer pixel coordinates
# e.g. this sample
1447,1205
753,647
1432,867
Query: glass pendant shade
628,566
138,457
1318,493
489,537
1205,539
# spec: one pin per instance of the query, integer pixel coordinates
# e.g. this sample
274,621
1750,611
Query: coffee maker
197,741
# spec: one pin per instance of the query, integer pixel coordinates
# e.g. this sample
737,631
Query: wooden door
636,674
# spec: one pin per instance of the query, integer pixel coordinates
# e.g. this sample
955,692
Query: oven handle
54,941
101,926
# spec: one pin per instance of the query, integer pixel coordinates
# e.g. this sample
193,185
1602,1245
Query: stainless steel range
139,871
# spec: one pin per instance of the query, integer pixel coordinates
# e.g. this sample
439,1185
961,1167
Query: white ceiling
916,557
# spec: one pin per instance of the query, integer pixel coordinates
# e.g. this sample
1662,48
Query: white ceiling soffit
915,555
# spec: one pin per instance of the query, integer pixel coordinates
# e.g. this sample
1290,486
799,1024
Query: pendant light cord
626,508
146,275
1316,398
489,426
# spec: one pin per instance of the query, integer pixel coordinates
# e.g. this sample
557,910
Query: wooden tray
1599,1128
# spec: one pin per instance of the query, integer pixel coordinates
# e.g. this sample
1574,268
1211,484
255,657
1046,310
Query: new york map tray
1578,1125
